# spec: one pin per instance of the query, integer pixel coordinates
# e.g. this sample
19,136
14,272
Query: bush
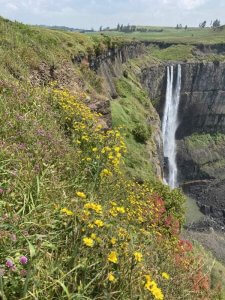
141,133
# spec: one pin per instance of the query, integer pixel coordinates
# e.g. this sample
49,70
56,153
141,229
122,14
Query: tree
100,29
179,26
216,23
118,27
186,27
203,24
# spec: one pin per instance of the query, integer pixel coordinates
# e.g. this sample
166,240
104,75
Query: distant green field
190,36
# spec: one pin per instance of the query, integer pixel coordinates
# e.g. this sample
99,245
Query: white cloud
184,4
191,4
11,6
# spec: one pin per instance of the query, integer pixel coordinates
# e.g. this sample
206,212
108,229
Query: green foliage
199,140
141,133
33,46
175,52
131,112
91,78
190,36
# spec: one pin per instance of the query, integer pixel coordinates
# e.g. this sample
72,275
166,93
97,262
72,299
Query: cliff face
202,106
201,157
112,66
200,136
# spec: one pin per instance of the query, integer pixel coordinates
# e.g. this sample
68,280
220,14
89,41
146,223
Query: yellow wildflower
88,242
138,256
113,241
99,223
96,207
111,277
152,287
165,276
106,172
112,257
95,149
121,209
113,212
67,212
81,195
93,236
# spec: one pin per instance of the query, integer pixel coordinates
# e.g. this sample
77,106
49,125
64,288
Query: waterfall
170,123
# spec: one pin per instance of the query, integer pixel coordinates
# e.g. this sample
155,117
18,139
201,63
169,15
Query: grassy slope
23,48
52,148
131,111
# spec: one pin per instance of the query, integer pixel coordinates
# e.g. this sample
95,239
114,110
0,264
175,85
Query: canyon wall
200,135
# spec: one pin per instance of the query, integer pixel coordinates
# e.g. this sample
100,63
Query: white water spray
170,123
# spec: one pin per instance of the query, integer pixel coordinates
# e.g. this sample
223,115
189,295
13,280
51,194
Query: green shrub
141,133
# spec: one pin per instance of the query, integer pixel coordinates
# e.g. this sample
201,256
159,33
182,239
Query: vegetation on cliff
74,225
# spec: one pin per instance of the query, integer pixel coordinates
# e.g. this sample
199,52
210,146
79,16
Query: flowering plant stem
27,280
1,290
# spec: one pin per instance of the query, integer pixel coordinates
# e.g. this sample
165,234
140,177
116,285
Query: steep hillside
77,222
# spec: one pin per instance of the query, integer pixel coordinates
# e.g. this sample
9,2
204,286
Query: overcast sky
93,13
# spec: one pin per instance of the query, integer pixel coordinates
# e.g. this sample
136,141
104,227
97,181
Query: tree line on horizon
133,28
213,24
129,29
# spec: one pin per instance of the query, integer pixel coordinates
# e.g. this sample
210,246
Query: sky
94,13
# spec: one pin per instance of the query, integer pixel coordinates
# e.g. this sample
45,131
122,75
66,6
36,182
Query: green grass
172,35
175,53
23,48
193,213
204,140
131,111
217,270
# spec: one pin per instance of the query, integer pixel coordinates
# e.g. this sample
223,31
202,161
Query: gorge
200,132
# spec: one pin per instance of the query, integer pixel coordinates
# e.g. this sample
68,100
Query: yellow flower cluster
89,242
94,206
118,215
165,276
151,286
99,223
81,195
106,172
138,256
67,212
111,277
112,257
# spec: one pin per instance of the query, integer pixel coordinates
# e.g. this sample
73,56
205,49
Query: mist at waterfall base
170,123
